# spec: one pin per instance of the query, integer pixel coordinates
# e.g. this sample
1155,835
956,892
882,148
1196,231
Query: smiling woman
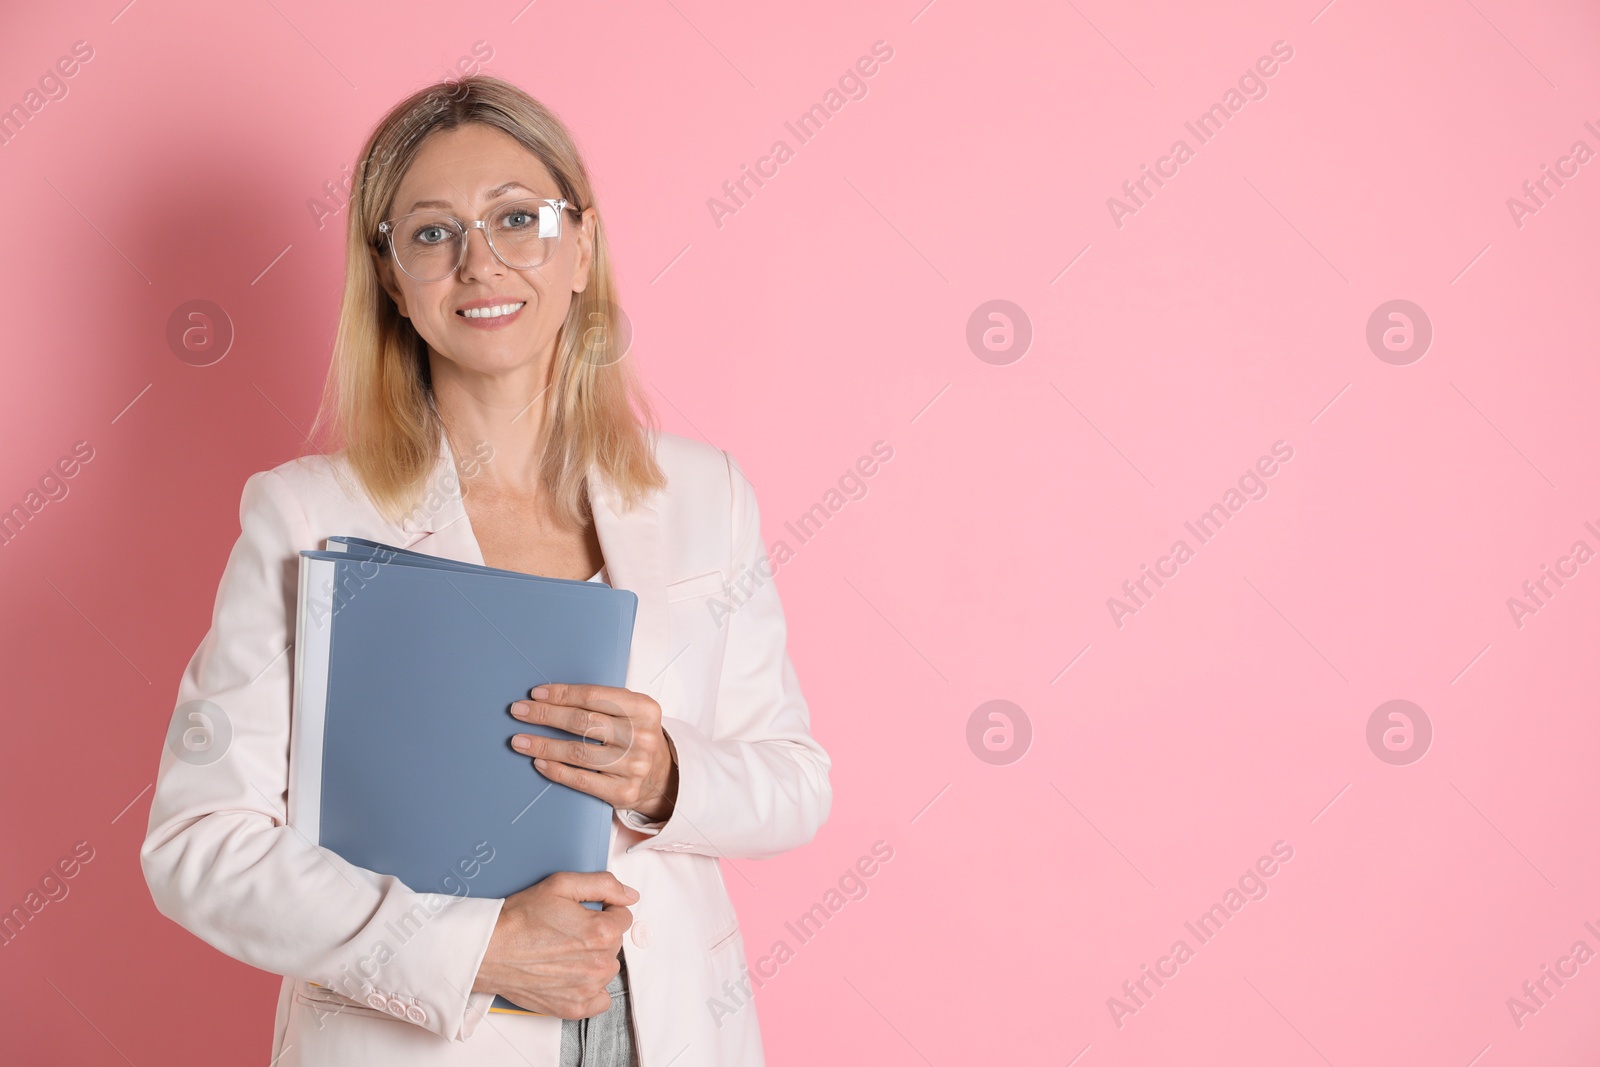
477,281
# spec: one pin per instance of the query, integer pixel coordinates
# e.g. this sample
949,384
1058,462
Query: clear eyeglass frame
550,215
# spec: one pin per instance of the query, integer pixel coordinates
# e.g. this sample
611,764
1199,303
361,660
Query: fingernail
521,743
540,692
541,764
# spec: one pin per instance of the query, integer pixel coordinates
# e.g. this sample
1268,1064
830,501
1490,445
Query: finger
607,787
581,696
594,723
609,700
597,725
620,758
598,1006
579,754
616,919
602,886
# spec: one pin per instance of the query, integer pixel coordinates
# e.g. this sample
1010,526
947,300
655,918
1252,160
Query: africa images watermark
1252,485
1536,592
1252,85
851,485
336,191
1537,192
53,488
200,731
355,578
1252,885
852,85
52,86
53,888
851,885
1536,993
451,484
401,930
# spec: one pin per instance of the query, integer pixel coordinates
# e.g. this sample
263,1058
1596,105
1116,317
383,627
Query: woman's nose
479,257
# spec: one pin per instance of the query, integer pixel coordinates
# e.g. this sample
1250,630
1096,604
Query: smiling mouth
495,312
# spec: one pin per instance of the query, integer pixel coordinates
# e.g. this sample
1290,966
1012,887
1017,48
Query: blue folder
406,666
360,546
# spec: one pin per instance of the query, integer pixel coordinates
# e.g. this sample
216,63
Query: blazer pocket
725,959
725,939
699,585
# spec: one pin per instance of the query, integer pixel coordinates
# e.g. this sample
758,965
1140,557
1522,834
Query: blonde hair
377,403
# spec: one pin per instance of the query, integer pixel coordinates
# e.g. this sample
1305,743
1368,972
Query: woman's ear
585,258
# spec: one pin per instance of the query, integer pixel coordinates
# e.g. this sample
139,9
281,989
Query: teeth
492,312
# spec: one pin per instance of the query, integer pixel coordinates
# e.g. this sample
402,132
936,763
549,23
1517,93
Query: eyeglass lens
428,244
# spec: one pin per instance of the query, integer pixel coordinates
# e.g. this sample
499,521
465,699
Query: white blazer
221,861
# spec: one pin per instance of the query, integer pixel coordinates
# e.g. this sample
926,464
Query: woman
477,338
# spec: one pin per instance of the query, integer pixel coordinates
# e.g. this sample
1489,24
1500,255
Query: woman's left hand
634,768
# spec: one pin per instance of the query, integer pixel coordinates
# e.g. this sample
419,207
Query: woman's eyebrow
499,190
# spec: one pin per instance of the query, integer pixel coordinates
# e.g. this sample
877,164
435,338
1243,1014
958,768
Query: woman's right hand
551,954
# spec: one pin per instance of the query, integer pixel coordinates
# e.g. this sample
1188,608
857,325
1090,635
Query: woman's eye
430,234
516,219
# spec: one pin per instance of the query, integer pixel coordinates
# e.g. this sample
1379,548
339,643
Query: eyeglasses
430,245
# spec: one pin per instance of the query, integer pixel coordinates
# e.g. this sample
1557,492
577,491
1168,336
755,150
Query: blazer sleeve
757,784
219,857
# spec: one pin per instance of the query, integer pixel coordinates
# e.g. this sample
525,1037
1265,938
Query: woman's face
471,169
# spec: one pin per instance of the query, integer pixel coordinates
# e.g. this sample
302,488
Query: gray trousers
606,1040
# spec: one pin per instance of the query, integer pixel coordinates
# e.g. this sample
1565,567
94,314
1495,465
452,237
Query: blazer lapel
629,540
438,524
631,544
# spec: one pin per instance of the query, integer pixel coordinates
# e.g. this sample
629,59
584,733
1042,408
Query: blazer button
377,1000
416,1014
641,934
397,1008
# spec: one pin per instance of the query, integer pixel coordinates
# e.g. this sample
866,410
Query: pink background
830,312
